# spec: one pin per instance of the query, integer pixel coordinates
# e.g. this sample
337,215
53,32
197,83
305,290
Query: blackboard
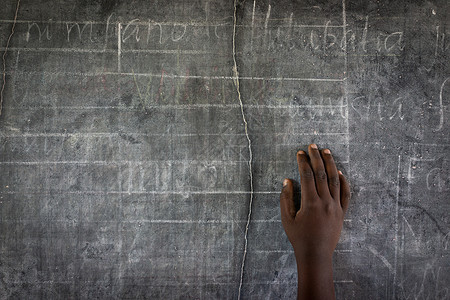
143,145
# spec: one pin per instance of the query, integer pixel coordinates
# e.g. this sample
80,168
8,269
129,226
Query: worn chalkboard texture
143,145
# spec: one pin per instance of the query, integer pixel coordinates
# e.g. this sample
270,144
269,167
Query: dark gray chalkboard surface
126,170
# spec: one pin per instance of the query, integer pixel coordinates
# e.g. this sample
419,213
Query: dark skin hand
314,229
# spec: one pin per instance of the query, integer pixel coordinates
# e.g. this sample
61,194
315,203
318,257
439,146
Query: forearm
315,279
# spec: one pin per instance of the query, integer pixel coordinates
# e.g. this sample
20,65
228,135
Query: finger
332,174
307,184
320,176
345,192
287,204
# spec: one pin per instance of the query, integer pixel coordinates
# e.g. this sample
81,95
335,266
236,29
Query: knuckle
321,175
311,205
329,208
334,181
307,174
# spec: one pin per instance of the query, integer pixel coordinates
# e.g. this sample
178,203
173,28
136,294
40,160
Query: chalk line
119,47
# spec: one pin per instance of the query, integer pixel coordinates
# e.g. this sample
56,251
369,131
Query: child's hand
314,229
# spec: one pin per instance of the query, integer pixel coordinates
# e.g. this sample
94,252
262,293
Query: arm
315,228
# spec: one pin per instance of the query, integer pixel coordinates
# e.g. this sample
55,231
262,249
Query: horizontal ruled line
111,134
164,282
189,106
116,22
166,75
122,51
221,23
292,251
163,222
231,77
184,193
430,144
54,192
133,162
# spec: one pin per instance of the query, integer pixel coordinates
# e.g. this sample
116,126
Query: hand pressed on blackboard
315,228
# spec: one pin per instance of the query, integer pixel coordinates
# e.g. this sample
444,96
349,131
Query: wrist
314,264
315,277
314,258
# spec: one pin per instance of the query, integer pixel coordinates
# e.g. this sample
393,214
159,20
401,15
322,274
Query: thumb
287,204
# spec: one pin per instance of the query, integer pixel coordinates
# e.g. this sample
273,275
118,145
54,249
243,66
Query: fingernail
285,182
326,151
340,172
313,146
301,152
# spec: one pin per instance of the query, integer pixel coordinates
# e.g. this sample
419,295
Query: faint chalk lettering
106,31
30,144
266,23
397,104
397,37
127,32
364,35
419,287
161,86
312,39
441,105
216,31
150,27
41,32
70,26
382,258
143,98
361,106
327,36
174,32
350,40
368,107
436,179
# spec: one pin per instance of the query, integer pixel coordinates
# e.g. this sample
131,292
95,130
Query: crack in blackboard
4,56
236,82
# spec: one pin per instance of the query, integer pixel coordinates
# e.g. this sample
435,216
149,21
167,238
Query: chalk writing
438,179
174,32
328,38
138,34
441,104
80,30
40,32
127,33
369,107
440,48
129,124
